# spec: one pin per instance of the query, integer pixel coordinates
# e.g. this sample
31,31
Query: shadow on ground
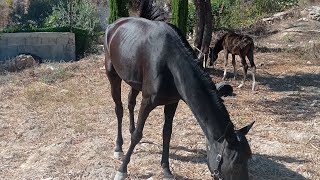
265,167
302,100
298,82
261,166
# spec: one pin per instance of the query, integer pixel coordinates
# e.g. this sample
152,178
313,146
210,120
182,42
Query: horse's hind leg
131,104
145,108
169,111
234,66
245,70
253,70
115,83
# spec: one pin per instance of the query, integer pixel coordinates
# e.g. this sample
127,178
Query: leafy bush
82,17
191,18
236,13
30,16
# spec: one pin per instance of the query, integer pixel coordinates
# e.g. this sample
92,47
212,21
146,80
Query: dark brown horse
235,44
153,58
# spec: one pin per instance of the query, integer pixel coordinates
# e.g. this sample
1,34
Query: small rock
300,115
303,19
271,62
314,103
309,62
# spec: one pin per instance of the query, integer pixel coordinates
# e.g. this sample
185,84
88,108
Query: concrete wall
55,46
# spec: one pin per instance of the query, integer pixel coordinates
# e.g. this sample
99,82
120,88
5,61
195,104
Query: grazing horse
236,44
153,58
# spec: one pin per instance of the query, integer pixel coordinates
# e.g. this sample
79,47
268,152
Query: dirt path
57,121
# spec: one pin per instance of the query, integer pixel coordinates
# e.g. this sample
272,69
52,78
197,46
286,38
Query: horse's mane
151,12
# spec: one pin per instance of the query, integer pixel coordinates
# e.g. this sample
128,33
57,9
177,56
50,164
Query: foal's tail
150,11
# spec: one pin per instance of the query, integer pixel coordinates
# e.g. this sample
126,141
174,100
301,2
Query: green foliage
32,16
81,17
236,13
118,8
180,14
76,13
191,18
9,3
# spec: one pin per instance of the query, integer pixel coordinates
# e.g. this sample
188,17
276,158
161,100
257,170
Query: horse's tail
149,11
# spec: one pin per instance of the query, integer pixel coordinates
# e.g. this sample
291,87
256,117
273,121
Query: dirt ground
57,120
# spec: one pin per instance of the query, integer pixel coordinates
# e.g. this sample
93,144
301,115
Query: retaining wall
56,46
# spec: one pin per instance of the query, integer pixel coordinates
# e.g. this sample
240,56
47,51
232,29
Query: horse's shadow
261,166
266,167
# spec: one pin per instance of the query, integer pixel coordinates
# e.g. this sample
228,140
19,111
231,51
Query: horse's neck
203,104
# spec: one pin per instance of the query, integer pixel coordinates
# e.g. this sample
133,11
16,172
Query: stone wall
56,46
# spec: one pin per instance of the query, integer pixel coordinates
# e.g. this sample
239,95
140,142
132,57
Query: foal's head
228,157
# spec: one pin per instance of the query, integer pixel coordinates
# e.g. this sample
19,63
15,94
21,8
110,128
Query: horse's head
228,158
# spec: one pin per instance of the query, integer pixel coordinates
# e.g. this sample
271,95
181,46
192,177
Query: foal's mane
151,12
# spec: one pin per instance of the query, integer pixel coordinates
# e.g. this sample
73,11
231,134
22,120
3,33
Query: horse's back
238,44
138,49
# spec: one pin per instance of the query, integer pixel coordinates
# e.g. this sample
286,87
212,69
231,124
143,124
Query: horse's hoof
168,178
253,86
118,155
120,176
240,86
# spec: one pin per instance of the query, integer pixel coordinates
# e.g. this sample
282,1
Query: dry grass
57,121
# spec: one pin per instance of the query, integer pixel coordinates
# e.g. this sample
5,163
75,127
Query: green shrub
236,13
82,17
191,18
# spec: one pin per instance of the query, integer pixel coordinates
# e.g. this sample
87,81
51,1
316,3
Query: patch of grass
51,74
287,39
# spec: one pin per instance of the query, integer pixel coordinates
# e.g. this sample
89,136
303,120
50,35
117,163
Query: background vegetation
33,15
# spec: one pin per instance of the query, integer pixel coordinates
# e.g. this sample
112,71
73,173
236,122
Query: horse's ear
245,130
224,89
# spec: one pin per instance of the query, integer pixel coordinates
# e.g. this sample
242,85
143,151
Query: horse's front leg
225,64
169,111
145,108
131,104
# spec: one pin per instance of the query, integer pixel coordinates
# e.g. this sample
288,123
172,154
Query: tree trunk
203,30
118,8
180,14
199,27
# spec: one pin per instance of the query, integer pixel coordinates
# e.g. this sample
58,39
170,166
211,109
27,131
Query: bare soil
57,121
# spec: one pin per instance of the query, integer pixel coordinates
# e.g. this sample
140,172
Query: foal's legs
245,69
234,66
253,69
169,111
145,108
131,104
225,64
115,83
